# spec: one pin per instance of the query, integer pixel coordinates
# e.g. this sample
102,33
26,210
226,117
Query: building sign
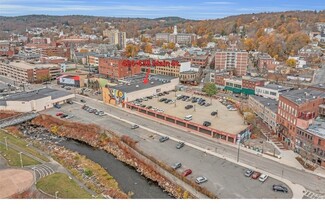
151,63
67,81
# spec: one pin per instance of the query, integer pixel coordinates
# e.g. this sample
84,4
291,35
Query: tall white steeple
175,30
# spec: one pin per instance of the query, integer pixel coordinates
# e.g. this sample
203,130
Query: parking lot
229,121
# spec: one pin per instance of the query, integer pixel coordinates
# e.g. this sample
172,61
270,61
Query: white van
188,118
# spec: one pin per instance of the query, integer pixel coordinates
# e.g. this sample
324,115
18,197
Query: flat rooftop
25,65
301,96
318,127
136,83
268,102
34,95
276,87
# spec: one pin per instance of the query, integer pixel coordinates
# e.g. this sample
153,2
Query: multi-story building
310,139
163,36
53,60
180,38
25,72
201,60
235,61
249,84
116,37
265,63
173,70
297,107
40,40
271,91
219,78
114,68
265,108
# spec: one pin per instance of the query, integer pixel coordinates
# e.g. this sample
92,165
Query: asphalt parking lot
225,179
227,121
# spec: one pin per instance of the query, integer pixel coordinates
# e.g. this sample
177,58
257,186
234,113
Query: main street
297,176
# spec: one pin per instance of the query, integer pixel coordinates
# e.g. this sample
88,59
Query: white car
201,179
263,178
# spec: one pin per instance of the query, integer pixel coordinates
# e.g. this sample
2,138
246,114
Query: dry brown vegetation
110,142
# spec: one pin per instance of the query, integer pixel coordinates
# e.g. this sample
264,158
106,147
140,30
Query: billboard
68,81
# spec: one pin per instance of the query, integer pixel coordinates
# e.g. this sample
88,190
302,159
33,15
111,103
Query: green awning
234,90
248,91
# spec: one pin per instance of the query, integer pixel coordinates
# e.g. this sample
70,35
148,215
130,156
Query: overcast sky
191,9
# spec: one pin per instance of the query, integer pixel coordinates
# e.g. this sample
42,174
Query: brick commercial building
114,68
173,70
265,108
201,60
32,73
297,107
249,84
310,140
265,63
235,61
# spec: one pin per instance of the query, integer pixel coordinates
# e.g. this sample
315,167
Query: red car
256,175
59,114
187,172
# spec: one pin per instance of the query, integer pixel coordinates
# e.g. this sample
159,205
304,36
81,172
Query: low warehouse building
36,100
134,88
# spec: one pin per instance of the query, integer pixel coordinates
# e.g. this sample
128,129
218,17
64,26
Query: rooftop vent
137,86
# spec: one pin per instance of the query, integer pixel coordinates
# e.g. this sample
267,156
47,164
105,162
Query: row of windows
288,108
306,135
287,117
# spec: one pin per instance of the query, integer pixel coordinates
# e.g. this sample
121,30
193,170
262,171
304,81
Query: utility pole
21,160
6,142
238,143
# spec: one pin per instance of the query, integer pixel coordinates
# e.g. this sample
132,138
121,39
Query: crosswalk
312,195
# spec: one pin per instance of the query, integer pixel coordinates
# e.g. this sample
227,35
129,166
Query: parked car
207,104
149,97
180,145
280,188
64,115
248,173
69,102
167,101
149,107
176,165
134,126
187,172
82,101
58,106
59,114
263,178
206,123
162,99
101,113
256,175
68,88
69,117
201,179
232,109
188,106
166,92
163,139
214,113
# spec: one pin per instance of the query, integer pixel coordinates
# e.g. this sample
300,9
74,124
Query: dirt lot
227,121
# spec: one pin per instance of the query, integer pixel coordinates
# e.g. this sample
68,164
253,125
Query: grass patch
21,144
67,188
13,157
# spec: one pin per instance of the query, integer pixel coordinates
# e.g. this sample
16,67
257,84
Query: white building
271,91
36,100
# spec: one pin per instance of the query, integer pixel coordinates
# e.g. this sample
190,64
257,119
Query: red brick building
235,61
265,62
201,60
297,108
251,83
113,68
220,78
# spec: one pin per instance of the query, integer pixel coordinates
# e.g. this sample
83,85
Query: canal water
128,178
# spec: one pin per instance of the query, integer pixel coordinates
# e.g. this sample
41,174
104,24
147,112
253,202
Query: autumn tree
249,44
131,50
291,63
148,48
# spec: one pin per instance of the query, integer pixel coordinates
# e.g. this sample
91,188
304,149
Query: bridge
17,119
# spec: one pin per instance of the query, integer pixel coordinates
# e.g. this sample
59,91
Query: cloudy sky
191,9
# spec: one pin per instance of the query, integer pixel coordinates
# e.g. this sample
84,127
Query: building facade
266,109
236,61
173,70
116,37
114,68
297,107
271,91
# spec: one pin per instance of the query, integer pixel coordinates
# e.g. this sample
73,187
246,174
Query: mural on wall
117,95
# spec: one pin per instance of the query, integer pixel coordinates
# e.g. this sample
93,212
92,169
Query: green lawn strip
67,188
21,144
13,157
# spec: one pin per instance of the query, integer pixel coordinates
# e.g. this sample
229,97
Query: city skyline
191,9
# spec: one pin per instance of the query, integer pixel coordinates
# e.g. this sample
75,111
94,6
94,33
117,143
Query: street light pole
56,194
6,142
238,143
21,159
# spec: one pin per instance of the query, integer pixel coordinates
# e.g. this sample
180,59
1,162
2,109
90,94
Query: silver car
176,165
201,179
